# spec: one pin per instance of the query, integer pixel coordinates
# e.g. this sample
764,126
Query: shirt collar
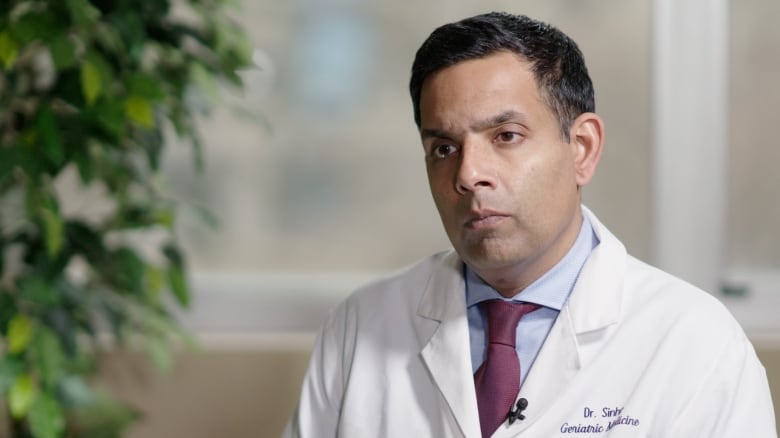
551,289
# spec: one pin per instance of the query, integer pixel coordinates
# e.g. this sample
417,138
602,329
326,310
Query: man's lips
483,219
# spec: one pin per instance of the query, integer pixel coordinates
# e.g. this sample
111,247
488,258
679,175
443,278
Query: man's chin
489,257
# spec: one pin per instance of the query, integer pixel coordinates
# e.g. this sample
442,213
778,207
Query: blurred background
323,185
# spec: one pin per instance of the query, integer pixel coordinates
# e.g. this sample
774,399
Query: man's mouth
478,219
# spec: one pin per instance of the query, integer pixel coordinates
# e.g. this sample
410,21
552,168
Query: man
602,344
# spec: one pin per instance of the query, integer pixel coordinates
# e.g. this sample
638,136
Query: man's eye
509,136
443,150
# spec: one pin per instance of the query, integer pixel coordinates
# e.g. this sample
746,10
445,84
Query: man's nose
476,168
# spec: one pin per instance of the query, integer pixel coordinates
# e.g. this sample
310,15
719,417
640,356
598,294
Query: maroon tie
498,378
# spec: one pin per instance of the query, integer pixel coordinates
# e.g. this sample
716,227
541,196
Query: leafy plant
92,89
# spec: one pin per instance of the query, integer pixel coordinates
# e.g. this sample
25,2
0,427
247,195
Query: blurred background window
331,177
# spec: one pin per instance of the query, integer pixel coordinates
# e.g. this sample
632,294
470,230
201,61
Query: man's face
501,176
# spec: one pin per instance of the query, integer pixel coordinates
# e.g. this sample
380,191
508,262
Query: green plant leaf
32,201
109,37
46,417
21,395
173,254
8,50
37,24
49,135
86,166
53,230
115,318
10,368
179,285
207,216
132,28
197,148
76,391
63,52
91,82
47,356
159,353
144,85
155,280
82,12
165,217
204,81
71,323
176,277
37,290
8,160
87,241
136,216
103,418
140,111
97,75
110,114
68,88
126,269
152,141
8,304
20,331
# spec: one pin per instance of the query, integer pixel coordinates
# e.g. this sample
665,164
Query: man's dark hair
557,63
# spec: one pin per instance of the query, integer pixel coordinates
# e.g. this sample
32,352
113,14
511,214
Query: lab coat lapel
446,352
593,305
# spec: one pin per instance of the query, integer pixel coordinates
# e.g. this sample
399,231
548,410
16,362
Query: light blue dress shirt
551,291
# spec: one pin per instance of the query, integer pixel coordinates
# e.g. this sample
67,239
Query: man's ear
587,140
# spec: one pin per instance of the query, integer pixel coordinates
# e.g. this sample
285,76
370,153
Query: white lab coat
632,344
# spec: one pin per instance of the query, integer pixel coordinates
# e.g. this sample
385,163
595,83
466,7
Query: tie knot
503,317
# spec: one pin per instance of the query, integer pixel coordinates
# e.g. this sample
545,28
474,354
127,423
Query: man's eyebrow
506,116
498,119
433,133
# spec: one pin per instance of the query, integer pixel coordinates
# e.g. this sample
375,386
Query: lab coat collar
593,304
595,301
